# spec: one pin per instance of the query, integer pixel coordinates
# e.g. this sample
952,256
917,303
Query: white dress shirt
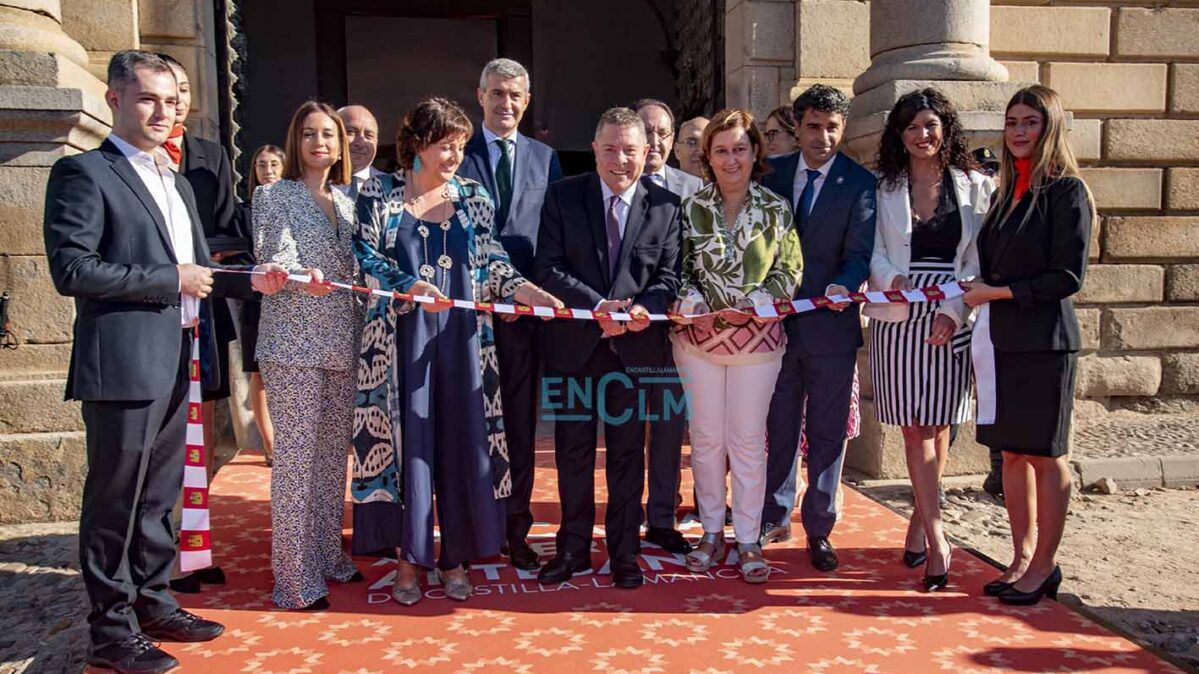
357,181
160,182
622,206
658,178
801,179
622,209
493,150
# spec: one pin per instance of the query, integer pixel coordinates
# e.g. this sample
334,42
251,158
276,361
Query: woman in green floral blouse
740,249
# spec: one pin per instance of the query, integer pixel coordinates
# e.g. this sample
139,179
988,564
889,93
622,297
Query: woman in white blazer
931,205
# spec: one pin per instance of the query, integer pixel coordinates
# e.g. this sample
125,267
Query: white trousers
729,404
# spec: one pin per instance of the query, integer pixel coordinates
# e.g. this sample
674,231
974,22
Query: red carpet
870,616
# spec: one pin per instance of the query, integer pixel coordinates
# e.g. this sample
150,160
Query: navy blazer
572,264
837,240
109,248
536,167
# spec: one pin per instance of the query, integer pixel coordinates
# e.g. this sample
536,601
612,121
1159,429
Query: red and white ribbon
195,538
944,291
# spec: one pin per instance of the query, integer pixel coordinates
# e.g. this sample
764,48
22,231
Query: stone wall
1130,74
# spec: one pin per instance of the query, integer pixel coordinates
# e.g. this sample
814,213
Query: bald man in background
363,132
687,149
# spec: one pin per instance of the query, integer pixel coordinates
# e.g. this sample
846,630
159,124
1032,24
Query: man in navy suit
516,170
834,203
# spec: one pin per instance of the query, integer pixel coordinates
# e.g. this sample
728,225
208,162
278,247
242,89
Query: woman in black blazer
1033,254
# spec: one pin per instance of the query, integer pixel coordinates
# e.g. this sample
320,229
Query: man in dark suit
833,199
666,428
516,170
123,238
608,242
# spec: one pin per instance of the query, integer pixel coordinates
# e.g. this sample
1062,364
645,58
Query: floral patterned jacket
758,258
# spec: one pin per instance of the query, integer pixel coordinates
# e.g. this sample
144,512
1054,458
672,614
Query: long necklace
444,261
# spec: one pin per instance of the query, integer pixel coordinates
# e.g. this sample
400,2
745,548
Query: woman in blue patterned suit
428,430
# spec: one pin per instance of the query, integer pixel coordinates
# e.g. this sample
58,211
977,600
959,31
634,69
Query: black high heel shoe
940,581
996,588
914,559
1048,588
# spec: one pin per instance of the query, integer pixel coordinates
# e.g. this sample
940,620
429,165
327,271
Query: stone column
920,43
759,53
50,106
916,44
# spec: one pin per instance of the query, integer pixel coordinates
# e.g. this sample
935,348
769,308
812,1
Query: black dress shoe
213,575
188,584
626,572
521,556
317,606
774,533
562,568
824,557
133,655
670,540
356,578
914,559
1048,588
995,588
182,626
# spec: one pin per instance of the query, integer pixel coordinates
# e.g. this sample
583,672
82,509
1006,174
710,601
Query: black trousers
135,456
825,383
603,391
520,377
666,429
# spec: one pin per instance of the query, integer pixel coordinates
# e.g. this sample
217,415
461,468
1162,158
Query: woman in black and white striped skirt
931,204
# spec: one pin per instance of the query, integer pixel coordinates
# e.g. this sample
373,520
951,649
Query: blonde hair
1052,157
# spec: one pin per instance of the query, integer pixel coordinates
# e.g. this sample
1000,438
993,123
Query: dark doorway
584,57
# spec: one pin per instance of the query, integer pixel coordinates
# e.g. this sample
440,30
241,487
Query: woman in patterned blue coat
428,424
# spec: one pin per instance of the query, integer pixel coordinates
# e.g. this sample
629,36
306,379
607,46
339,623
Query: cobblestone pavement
43,607
1132,434
1131,558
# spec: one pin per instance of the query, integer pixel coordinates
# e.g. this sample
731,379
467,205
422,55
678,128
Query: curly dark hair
431,120
820,97
893,157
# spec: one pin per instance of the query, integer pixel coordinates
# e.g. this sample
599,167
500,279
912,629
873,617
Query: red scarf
1023,176
174,146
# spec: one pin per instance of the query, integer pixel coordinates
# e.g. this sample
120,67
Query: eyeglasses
772,133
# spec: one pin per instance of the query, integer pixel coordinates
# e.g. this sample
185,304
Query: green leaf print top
758,258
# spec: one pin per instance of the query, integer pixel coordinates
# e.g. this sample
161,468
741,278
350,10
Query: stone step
36,406
35,361
41,477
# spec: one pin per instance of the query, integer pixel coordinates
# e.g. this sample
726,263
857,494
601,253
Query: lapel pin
840,179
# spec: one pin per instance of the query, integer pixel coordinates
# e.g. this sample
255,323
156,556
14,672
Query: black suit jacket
837,240
109,248
572,263
206,167
1043,259
536,167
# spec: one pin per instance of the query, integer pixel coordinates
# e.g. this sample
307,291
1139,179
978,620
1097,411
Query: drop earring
415,164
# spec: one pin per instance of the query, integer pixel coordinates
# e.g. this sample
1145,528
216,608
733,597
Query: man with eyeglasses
687,148
659,130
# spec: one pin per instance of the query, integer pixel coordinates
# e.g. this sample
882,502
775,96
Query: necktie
355,185
658,179
613,226
808,195
503,182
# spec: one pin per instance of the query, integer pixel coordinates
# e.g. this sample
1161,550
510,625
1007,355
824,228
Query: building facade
1128,72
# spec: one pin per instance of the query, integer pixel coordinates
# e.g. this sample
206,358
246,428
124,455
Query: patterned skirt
916,384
